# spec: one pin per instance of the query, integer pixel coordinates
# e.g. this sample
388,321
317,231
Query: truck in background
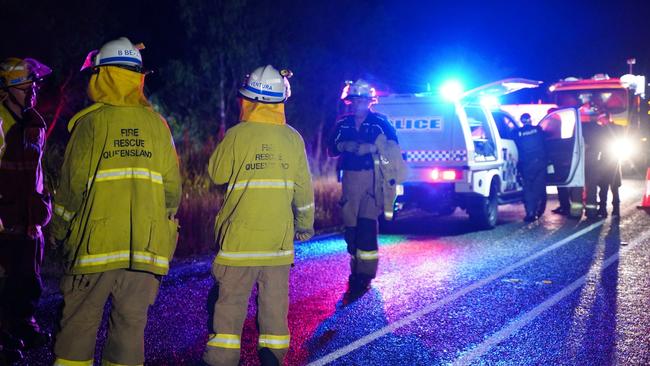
620,101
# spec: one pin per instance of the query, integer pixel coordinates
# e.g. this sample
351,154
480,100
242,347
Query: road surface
553,292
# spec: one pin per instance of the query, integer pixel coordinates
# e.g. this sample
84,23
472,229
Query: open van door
565,148
499,88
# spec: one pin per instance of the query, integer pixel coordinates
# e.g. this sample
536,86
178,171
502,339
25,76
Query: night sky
402,46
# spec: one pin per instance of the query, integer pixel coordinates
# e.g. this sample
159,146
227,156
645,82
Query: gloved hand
34,231
348,146
366,149
304,235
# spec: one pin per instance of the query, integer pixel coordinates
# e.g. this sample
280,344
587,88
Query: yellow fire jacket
263,164
120,183
390,170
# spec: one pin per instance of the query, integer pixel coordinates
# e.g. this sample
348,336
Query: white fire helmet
118,52
267,85
358,89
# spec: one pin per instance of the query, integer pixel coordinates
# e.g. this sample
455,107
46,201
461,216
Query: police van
461,152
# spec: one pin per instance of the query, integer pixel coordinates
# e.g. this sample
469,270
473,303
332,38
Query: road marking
446,300
515,326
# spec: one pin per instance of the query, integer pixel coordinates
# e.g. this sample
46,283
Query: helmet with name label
267,85
119,52
358,89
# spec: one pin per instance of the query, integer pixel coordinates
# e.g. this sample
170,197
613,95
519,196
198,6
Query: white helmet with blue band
267,85
118,52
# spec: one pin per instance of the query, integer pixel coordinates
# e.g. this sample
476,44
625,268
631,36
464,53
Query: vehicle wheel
484,211
446,211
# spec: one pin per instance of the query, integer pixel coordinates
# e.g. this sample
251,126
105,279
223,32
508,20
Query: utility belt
340,175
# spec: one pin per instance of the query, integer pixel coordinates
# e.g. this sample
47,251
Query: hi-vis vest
264,167
119,183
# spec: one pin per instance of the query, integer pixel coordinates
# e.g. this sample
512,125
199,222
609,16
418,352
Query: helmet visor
90,60
37,69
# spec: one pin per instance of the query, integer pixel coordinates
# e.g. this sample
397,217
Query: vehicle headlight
623,148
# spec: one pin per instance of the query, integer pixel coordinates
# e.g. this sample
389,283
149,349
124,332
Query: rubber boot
350,236
267,358
602,210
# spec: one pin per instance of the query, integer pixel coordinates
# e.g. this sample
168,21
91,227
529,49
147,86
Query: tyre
483,213
446,211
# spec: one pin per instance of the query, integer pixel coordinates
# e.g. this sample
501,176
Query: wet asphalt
554,292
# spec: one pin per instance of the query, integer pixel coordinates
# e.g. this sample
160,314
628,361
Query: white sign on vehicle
417,123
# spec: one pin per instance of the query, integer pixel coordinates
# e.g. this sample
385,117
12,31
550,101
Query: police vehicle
460,152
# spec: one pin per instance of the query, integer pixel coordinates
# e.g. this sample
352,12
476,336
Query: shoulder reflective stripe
274,341
122,256
61,211
262,183
127,173
254,255
64,362
306,207
367,255
224,341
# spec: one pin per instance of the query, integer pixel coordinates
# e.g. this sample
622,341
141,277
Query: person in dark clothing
353,141
532,162
593,133
24,204
563,197
611,175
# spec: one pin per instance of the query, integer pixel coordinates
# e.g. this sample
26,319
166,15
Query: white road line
522,321
446,300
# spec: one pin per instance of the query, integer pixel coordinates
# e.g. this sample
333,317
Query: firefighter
354,140
269,200
24,204
114,211
531,146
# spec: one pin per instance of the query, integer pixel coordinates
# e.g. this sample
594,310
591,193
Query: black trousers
21,258
534,174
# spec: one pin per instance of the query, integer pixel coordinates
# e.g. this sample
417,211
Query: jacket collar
262,112
118,87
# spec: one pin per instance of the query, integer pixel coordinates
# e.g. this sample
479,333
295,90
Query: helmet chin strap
14,100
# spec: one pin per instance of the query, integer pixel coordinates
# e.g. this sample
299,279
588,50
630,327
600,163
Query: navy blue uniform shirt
345,130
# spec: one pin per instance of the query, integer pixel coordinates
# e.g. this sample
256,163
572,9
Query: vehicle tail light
441,175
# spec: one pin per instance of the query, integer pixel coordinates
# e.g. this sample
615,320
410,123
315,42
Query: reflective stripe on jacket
269,192
119,186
